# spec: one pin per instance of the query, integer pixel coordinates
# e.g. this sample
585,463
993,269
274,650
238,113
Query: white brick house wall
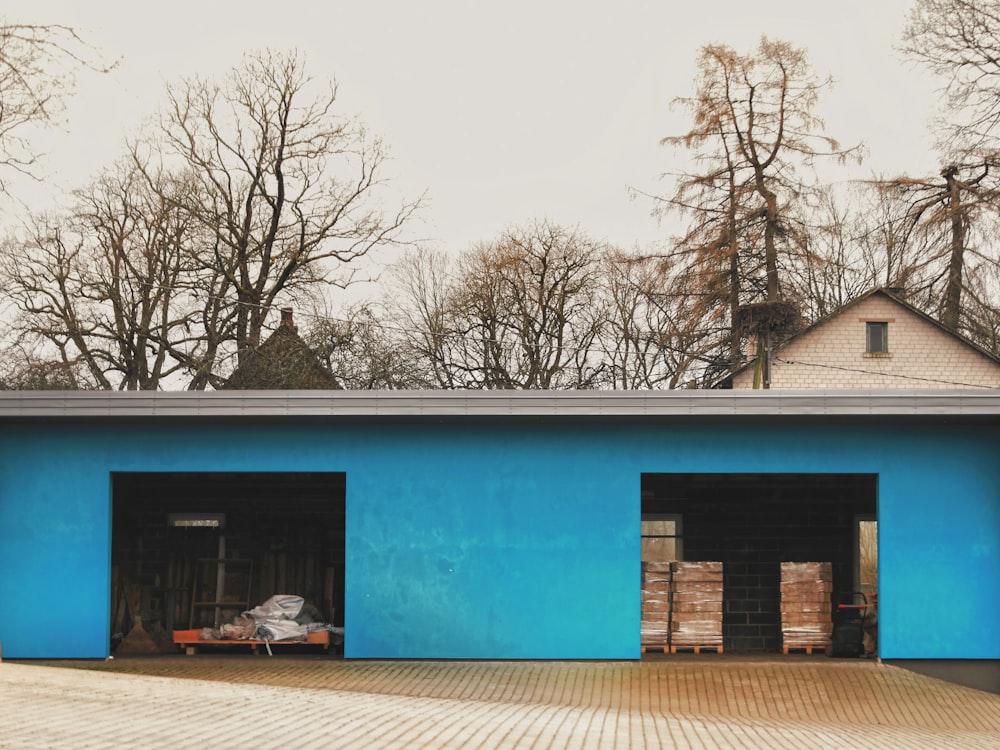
920,354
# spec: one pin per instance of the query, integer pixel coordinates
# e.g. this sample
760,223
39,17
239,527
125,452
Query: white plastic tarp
275,618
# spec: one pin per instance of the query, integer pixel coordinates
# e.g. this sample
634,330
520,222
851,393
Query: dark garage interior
752,523
191,550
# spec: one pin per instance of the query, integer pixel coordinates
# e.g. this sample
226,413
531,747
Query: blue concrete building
500,525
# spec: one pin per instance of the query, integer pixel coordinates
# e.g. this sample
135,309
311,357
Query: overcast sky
502,112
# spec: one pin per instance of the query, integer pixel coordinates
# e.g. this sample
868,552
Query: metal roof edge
441,404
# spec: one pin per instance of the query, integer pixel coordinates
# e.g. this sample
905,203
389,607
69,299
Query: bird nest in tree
777,316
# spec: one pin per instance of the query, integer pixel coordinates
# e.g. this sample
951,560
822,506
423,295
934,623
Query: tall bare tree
762,105
163,272
292,192
959,41
754,139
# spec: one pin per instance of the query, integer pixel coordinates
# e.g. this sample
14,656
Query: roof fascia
437,405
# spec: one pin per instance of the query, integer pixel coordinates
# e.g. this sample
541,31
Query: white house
877,341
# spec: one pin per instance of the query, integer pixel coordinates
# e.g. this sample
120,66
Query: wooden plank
189,640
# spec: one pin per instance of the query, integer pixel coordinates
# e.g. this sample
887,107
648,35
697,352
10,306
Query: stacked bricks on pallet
656,605
696,606
806,591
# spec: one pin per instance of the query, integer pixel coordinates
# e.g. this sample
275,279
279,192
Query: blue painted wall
475,541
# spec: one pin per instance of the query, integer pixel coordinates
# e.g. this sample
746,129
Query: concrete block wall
753,545
921,355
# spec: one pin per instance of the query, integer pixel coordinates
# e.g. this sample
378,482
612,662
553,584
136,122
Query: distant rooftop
283,362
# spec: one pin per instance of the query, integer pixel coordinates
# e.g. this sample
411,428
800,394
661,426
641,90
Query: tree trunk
770,246
951,307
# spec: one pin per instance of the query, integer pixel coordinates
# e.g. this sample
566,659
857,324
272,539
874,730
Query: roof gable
283,362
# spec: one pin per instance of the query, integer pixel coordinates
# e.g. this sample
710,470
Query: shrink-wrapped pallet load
655,623
806,596
696,606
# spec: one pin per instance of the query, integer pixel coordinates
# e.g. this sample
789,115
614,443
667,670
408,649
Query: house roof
283,362
879,291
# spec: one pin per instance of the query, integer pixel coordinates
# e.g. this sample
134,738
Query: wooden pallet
189,641
804,649
695,649
655,648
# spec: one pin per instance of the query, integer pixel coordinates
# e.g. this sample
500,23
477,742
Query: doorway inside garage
193,550
752,523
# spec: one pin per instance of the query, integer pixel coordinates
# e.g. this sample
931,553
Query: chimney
286,320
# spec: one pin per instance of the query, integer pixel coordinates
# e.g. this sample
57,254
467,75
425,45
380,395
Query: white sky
502,112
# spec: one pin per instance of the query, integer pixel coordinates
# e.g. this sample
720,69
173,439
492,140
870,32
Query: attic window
877,337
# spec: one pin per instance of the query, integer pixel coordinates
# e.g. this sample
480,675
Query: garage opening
193,550
752,523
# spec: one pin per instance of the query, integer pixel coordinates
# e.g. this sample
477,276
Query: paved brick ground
231,700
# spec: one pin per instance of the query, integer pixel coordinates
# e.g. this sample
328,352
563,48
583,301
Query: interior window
661,537
867,556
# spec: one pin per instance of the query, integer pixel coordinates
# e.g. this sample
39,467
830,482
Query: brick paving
692,701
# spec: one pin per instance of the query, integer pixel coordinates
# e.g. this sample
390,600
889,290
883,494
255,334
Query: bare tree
630,338
37,65
762,106
419,308
981,311
947,216
883,232
163,272
755,137
365,353
24,367
723,227
523,311
292,192
532,299
954,217
104,286
959,40
653,336
832,265
546,307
